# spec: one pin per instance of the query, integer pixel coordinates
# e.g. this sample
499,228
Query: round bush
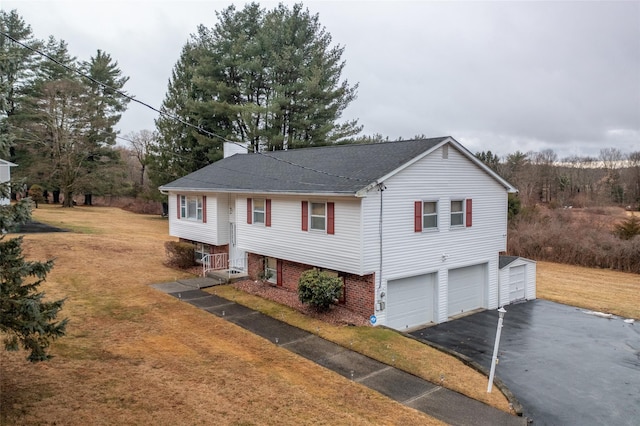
319,289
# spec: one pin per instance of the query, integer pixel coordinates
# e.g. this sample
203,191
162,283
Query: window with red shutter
249,211
279,273
331,218
204,209
417,216
267,213
469,212
178,204
305,215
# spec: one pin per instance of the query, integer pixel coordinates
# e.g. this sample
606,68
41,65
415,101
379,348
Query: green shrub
180,254
319,289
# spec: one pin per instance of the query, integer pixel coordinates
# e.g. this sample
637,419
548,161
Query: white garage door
410,301
466,289
517,282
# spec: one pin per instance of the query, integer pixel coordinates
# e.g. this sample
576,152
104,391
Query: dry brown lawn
599,290
133,355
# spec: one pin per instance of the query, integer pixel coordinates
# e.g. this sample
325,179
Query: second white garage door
410,301
467,289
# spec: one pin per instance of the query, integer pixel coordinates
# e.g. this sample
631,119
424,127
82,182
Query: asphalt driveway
566,367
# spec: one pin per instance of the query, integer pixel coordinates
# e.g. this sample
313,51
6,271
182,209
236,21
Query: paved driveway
565,367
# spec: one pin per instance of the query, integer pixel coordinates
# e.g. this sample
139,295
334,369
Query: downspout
381,188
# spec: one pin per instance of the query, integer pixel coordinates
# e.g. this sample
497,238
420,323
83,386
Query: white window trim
184,208
463,202
311,216
254,210
436,214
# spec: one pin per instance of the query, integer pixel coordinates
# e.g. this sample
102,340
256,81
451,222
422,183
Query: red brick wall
359,290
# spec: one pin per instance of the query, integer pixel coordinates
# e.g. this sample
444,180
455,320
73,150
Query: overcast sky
499,76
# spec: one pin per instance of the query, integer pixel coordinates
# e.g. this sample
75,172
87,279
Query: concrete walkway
436,401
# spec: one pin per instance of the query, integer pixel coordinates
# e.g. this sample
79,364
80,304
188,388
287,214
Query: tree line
612,178
57,124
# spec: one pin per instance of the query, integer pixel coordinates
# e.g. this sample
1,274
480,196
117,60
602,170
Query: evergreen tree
270,79
105,109
17,66
179,148
26,319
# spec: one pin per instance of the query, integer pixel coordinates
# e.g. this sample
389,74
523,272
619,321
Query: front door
236,256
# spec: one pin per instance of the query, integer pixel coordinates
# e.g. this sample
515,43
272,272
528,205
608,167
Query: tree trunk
68,199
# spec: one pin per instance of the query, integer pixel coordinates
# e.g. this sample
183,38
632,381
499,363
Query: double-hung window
191,207
271,269
258,210
430,215
318,216
425,216
457,213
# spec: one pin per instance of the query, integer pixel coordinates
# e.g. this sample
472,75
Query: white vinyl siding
285,240
406,251
197,230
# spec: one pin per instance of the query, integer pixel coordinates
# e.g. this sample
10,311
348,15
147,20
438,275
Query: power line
166,114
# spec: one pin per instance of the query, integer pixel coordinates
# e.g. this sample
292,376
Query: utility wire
171,116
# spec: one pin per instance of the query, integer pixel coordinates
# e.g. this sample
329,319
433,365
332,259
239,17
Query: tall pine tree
270,79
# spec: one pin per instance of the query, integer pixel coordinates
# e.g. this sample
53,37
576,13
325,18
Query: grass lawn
599,290
133,355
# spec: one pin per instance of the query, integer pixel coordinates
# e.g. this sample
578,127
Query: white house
414,228
5,176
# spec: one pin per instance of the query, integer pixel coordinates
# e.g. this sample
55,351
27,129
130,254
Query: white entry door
466,289
410,301
236,256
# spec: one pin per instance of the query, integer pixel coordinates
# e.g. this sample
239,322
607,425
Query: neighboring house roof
334,169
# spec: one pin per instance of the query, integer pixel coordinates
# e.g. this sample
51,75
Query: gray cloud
503,76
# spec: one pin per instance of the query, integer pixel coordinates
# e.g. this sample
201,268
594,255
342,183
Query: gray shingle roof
506,260
343,169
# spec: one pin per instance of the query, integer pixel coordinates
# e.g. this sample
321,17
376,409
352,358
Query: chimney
232,148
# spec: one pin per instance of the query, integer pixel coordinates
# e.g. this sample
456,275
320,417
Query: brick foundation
359,290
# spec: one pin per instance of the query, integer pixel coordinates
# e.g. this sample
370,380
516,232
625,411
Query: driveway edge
515,404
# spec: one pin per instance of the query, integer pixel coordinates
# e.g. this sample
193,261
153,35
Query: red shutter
331,218
178,204
417,216
267,212
249,212
305,215
279,273
204,209
469,212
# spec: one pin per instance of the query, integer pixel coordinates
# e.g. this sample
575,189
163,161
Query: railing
237,266
214,262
